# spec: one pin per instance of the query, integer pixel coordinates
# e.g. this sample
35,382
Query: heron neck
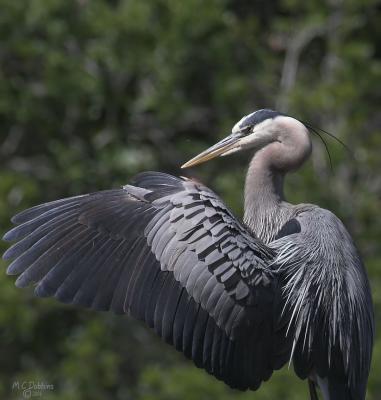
264,197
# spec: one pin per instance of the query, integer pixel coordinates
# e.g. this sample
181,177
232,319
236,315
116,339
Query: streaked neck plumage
266,210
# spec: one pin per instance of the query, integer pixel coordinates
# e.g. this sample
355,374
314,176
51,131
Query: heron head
255,131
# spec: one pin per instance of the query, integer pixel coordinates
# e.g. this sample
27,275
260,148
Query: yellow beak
218,149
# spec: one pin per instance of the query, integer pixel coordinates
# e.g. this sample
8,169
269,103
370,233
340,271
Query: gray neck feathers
266,210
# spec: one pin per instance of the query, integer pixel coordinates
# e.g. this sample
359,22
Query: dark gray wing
167,251
328,296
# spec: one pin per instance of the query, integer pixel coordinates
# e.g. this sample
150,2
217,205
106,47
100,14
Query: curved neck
264,197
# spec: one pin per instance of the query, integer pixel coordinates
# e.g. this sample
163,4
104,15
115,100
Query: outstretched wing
167,251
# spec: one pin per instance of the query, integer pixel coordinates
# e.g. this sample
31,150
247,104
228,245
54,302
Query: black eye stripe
257,117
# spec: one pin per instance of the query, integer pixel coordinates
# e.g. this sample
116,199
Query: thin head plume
314,129
318,132
325,144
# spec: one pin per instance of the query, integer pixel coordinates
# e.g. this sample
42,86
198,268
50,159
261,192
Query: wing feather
167,251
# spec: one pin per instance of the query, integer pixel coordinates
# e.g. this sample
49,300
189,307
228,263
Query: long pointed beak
218,149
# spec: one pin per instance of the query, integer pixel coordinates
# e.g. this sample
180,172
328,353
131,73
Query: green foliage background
94,91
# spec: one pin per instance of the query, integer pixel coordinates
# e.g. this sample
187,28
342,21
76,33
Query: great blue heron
240,299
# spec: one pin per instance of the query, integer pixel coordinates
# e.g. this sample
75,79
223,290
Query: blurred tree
91,92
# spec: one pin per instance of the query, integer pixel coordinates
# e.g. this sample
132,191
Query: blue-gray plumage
240,299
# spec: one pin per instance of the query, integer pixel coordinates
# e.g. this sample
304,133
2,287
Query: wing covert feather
167,251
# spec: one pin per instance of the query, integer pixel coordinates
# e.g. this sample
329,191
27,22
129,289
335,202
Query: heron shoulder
319,239
317,221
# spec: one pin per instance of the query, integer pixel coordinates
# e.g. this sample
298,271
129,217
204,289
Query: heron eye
246,129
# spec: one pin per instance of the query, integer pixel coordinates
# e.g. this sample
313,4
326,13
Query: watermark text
32,389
